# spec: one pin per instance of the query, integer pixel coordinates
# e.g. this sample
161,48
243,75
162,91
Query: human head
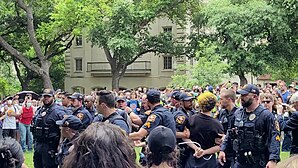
66,100
294,100
227,98
153,97
175,97
267,100
76,100
70,125
48,97
282,86
89,101
28,103
235,86
11,154
249,95
206,101
162,147
104,100
101,145
186,100
121,102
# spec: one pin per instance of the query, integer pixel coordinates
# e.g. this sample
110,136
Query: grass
29,158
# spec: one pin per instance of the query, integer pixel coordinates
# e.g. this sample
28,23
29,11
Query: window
167,62
78,89
167,29
79,64
79,41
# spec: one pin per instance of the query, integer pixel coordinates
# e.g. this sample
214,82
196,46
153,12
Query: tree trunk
243,80
115,80
45,74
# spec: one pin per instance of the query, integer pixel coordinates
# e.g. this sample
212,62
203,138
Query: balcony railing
138,67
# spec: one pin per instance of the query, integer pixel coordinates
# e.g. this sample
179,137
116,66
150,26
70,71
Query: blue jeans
25,132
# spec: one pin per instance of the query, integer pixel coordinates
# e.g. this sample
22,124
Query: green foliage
8,82
209,69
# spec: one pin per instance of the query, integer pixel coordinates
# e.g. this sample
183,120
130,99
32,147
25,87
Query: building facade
87,67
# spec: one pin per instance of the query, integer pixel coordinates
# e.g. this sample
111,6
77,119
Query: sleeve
122,124
181,122
273,139
226,142
289,123
152,122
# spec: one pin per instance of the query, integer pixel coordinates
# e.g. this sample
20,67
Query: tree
208,70
124,34
245,33
49,36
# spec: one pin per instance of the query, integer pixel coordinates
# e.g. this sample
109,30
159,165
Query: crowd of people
224,126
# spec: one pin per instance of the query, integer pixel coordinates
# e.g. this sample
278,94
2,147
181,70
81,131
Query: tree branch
111,60
67,46
30,28
139,55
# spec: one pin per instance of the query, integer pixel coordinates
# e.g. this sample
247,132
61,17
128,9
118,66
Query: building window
167,29
79,64
167,62
78,89
79,41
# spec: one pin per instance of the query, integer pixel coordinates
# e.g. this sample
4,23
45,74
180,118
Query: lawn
29,158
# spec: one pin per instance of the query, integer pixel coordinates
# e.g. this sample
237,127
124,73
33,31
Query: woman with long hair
101,145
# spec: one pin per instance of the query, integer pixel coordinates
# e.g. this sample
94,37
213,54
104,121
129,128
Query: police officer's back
159,116
255,138
45,131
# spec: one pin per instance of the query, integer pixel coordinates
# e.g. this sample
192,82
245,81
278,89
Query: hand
279,109
199,152
271,164
218,141
186,133
138,143
221,158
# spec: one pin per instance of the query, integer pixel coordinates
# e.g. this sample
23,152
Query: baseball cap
186,96
71,121
153,95
176,95
249,88
161,140
120,98
48,92
78,96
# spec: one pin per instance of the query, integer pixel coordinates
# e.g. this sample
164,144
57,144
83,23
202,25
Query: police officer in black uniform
181,116
105,105
79,110
291,123
159,116
255,138
226,118
175,101
45,131
70,128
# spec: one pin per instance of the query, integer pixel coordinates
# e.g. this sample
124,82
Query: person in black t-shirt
205,130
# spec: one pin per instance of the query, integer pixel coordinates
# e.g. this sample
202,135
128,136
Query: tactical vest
249,143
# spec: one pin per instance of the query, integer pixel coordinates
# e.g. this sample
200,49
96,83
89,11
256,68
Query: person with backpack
105,104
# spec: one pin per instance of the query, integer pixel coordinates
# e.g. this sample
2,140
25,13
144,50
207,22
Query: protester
101,145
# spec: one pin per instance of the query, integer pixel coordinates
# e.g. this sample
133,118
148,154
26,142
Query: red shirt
27,115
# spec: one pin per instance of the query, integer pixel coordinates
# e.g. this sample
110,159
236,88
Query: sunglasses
268,101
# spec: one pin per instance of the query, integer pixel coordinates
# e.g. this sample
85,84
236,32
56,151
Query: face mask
28,104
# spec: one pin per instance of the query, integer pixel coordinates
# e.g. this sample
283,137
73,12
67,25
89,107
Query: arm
135,119
273,137
138,135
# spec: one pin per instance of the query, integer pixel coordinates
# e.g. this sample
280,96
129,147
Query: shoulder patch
147,124
151,118
148,112
80,116
180,119
277,138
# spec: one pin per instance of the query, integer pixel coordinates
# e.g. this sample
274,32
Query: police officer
70,127
181,116
175,101
79,111
255,138
45,131
89,104
227,119
66,102
105,105
159,116
291,122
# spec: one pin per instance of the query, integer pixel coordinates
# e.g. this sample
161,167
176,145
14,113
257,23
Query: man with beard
255,138
45,131
181,117
227,119
89,104
79,111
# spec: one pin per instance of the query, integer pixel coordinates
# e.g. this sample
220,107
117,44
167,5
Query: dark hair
106,97
11,154
101,145
156,159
